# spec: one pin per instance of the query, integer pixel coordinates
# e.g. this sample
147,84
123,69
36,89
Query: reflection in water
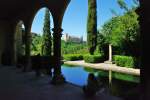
75,75
78,76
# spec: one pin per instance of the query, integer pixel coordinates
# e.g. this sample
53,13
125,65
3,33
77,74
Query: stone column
11,48
27,59
57,75
109,61
144,20
7,44
110,52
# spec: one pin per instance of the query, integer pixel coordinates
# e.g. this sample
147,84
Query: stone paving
18,85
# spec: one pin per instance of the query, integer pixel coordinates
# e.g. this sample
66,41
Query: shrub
124,61
137,62
93,58
72,57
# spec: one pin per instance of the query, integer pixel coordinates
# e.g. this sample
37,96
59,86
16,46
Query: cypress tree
47,43
92,26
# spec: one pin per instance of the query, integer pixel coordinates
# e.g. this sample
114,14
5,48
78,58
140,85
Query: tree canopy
122,32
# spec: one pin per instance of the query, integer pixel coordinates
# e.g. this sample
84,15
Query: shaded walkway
16,85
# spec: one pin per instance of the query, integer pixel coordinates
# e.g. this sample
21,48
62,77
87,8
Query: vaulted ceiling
10,9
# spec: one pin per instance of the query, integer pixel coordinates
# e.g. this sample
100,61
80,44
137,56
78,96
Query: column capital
57,30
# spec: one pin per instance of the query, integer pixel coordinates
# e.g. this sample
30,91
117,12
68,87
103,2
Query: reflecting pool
76,75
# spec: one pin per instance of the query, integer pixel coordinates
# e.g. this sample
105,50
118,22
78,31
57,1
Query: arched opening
74,33
41,45
74,26
37,31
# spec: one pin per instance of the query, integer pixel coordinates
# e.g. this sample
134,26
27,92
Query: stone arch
36,11
42,20
7,52
28,37
57,11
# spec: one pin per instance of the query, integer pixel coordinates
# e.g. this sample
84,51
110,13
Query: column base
108,62
27,68
58,79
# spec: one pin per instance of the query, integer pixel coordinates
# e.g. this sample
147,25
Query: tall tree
92,26
114,13
47,43
122,5
136,2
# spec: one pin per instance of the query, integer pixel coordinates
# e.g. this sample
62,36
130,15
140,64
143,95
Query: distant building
73,38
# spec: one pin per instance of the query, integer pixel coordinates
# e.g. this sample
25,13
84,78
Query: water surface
76,75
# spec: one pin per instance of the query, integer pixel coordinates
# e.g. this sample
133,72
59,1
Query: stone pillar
7,44
144,20
27,66
109,61
10,48
57,75
110,52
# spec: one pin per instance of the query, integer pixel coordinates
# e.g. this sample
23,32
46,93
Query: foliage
126,77
102,45
73,48
47,44
92,26
122,4
122,32
90,70
120,76
93,58
66,47
114,12
36,44
124,61
72,57
97,52
136,2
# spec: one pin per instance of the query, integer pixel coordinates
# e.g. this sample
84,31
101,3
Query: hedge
93,58
124,61
120,76
73,57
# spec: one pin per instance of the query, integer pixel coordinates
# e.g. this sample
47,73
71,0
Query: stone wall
1,44
2,37
6,41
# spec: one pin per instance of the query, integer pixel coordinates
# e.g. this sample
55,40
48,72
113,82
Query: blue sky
75,18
